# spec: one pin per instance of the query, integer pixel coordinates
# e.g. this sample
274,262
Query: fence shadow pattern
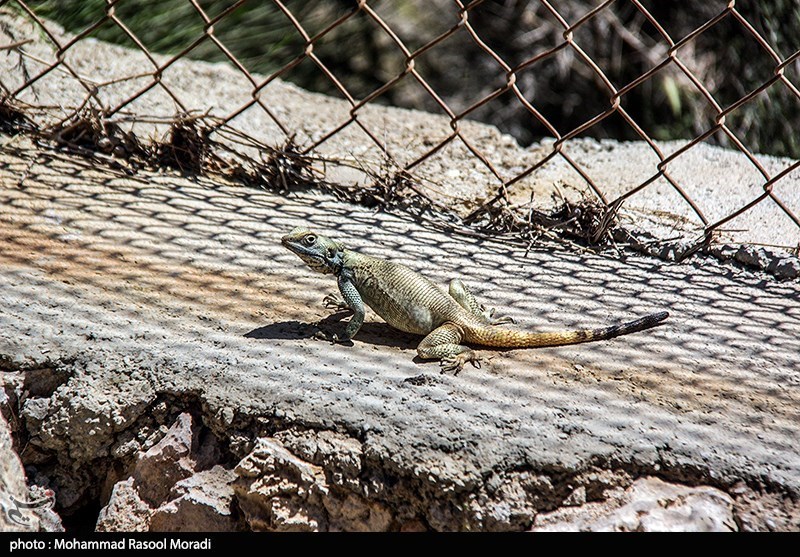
462,17
199,276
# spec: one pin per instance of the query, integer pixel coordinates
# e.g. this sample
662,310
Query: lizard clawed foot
333,338
505,320
332,301
489,314
456,362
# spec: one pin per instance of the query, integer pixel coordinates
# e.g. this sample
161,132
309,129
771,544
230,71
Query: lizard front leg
444,343
352,301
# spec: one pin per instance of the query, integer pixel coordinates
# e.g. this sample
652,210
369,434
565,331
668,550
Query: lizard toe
455,363
451,364
333,338
505,320
331,301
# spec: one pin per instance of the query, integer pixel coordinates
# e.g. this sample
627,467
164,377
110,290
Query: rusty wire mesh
110,132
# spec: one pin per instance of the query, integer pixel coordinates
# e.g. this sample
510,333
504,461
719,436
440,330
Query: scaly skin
408,301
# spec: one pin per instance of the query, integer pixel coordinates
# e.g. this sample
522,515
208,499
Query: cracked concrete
127,300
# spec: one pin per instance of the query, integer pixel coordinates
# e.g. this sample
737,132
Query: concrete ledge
143,298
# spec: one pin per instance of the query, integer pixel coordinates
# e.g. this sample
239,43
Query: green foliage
258,34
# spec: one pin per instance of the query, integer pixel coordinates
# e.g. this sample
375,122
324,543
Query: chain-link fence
411,52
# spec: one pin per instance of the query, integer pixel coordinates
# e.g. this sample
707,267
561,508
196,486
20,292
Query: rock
167,490
14,491
80,420
201,503
12,484
785,268
353,513
166,463
648,505
313,467
509,501
760,511
49,520
278,491
752,257
125,511
577,497
338,454
11,387
34,411
723,252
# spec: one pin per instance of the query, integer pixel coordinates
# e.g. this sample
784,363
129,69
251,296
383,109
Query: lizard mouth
294,247
310,257
287,242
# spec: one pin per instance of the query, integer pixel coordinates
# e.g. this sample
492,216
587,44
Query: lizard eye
309,240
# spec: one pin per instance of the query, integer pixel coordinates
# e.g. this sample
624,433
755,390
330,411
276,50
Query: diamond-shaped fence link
398,64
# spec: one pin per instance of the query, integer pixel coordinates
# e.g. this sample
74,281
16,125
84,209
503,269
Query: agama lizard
408,301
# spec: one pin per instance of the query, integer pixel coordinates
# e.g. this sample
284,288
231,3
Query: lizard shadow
374,333
282,330
379,334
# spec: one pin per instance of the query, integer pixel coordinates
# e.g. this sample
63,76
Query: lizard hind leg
461,294
444,343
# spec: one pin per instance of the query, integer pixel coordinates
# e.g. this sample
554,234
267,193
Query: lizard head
318,252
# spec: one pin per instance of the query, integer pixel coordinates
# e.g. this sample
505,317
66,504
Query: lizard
411,303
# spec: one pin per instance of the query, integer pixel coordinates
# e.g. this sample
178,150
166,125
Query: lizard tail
501,337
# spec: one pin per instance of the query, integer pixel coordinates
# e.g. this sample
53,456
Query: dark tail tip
659,317
648,321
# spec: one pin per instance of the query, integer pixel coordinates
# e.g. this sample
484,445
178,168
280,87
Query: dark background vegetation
725,58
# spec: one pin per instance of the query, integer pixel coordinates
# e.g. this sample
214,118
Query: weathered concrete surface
150,296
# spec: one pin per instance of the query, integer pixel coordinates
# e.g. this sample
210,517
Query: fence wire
288,160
